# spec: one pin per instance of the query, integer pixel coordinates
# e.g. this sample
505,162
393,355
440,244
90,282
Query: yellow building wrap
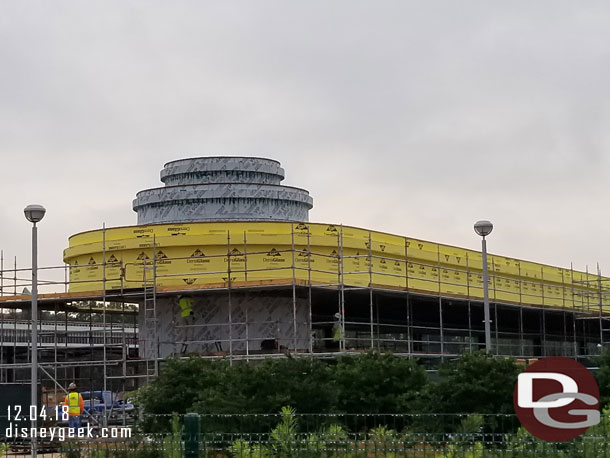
200,255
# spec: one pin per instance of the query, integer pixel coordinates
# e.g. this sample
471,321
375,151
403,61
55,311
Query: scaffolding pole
440,299
309,291
55,341
246,305
124,348
105,355
573,308
521,346
408,305
229,301
150,319
586,294
294,290
2,372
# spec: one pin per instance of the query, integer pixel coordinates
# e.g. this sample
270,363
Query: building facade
261,279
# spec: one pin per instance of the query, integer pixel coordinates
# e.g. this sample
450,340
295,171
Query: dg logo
557,399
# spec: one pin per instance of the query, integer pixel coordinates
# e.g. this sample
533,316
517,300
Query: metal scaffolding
117,337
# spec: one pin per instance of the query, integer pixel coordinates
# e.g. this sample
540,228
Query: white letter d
525,389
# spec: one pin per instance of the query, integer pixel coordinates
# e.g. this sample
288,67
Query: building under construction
223,262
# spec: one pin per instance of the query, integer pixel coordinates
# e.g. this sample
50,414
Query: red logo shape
557,399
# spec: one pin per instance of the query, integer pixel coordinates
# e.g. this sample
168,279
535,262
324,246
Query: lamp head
34,213
483,228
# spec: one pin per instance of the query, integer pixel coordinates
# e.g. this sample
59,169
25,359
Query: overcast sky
411,117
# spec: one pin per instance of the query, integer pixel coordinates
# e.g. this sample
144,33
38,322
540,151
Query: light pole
484,228
34,214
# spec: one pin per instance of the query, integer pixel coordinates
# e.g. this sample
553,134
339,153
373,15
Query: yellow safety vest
73,403
338,332
186,306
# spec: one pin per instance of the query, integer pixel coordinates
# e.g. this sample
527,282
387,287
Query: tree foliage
603,376
474,383
378,383
267,386
180,385
371,383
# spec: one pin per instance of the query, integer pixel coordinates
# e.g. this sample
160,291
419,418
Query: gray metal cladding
222,188
231,168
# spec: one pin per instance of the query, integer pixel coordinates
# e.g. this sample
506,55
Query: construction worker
76,406
186,306
186,313
338,331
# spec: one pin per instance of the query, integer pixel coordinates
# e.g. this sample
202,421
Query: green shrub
378,383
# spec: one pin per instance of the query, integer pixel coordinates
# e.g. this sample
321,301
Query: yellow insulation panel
198,254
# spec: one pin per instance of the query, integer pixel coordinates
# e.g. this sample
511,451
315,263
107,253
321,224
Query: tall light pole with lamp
34,214
484,228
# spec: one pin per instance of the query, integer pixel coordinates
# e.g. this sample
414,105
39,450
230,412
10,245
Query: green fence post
192,429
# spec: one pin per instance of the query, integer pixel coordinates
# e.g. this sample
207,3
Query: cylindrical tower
222,188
